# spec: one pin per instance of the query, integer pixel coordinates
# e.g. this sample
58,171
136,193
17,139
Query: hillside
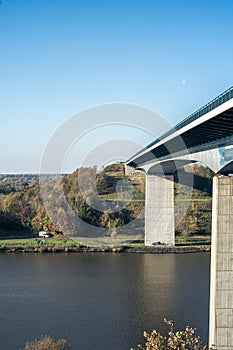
22,212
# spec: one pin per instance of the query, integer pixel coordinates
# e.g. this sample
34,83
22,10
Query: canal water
100,301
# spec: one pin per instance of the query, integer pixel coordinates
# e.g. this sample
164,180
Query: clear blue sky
59,57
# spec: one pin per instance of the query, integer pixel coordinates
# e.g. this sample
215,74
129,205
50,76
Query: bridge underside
213,133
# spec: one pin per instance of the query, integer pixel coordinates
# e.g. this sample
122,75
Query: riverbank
70,246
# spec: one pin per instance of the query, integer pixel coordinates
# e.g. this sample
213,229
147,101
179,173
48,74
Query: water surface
100,301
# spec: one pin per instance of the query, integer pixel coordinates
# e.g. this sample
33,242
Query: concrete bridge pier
221,280
159,210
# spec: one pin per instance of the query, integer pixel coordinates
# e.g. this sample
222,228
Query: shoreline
128,250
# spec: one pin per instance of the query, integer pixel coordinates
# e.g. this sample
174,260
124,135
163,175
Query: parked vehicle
44,234
159,243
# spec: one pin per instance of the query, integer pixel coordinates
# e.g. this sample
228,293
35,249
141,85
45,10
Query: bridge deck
212,131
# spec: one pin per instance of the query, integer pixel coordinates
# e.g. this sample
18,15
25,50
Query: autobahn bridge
205,136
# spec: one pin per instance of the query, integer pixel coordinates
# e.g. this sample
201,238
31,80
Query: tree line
22,209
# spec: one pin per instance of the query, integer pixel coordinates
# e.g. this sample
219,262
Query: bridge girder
218,160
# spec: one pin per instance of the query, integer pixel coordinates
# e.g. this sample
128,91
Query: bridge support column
221,281
159,210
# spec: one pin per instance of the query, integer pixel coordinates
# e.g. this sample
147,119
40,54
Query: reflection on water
100,301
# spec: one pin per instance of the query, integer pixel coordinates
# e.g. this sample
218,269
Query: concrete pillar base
159,210
221,280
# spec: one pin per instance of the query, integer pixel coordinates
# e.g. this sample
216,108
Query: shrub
47,343
180,340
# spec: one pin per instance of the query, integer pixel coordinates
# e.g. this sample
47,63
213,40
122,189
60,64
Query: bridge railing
219,100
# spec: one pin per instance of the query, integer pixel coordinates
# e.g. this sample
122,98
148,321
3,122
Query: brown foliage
181,340
47,343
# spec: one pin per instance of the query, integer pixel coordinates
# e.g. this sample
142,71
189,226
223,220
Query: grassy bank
38,245
72,246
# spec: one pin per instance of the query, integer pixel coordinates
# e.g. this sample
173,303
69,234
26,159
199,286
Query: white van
44,234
